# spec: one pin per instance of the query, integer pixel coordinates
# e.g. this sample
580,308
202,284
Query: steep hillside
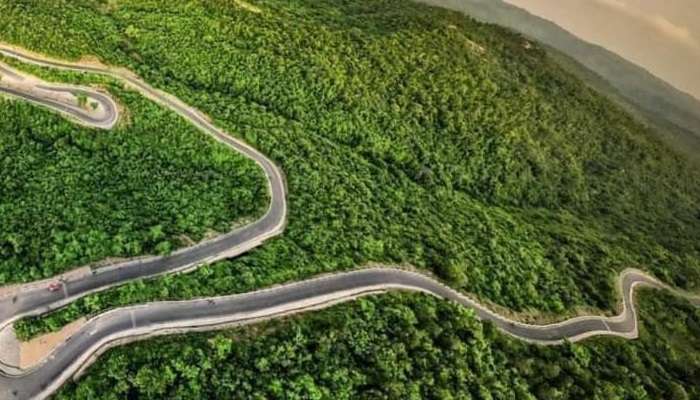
668,109
408,134
71,195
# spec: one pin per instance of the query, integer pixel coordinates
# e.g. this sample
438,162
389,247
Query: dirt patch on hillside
247,6
35,350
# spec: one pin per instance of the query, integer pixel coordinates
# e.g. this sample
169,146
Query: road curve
34,299
73,111
131,323
137,322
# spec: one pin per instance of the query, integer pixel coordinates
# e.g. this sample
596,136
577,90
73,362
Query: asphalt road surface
74,111
137,322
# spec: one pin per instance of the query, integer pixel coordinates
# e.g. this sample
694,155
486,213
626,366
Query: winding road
33,91
132,323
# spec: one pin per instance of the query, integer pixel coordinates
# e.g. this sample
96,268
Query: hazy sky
662,36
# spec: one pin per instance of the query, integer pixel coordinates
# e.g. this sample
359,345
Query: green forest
403,346
408,135
72,195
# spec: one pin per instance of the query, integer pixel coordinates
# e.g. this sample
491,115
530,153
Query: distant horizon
661,38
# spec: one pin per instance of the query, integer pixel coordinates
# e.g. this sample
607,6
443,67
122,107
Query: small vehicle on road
54,287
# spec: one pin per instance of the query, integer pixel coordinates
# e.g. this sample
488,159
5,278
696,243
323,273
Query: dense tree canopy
408,135
72,195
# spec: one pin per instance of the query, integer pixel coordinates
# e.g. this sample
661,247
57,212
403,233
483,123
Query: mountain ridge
671,110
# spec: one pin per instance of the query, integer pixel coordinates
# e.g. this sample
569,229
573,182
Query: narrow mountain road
99,110
35,299
132,323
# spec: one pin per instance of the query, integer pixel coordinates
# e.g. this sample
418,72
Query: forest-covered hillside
408,134
72,195
671,111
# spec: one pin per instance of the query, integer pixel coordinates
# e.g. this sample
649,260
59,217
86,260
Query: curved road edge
128,324
73,111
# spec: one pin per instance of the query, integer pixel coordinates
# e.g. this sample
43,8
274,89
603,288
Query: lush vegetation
408,134
674,114
72,195
404,346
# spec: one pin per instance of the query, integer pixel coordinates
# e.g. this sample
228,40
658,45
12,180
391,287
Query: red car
54,286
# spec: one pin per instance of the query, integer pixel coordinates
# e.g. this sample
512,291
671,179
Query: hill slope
408,134
73,195
667,108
